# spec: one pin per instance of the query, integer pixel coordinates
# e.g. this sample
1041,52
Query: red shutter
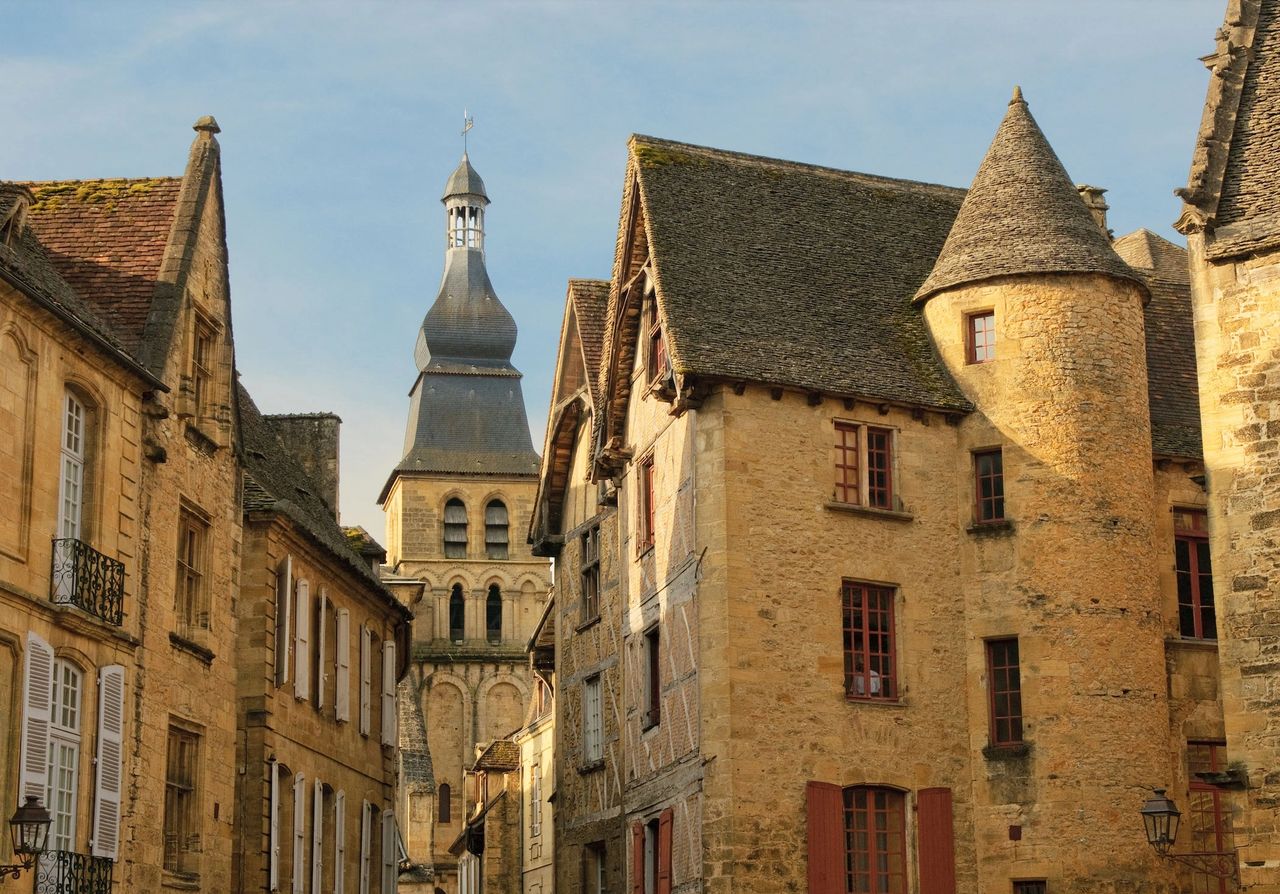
825,804
937,841
637,858
664,851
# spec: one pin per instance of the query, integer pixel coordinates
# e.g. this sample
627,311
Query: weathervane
468,122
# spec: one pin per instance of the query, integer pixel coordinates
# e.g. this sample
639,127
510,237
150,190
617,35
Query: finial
206,124
467,123
1017,95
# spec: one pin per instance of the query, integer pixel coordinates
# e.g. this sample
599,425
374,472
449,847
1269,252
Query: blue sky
340,125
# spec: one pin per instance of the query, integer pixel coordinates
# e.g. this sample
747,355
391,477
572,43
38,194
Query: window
202,363
495,530
656,360
868,641
1209,821
651,854
457,614
646,521
72,482
493,615
875,840
455,529
1196,616
653,680
591,573
64,755
864,465
192,590
443,804
465,226
593,868
284,617
1030,886
980,336
1004,681
535,801
181,828
988,485
592,722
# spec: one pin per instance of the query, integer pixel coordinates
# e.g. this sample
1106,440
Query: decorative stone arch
447,678
435,683
484,703
71,653
16,540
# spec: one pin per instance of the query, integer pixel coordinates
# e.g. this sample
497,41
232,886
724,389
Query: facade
931,615
465,482
537,744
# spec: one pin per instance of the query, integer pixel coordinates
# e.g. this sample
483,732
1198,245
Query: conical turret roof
1022,215
464,181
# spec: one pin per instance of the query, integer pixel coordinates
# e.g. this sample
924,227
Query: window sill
1000,528
859,509
181,881
873,700
200,441
587,624
182,644
645,549
647,725
1192,643
591,767
1011,752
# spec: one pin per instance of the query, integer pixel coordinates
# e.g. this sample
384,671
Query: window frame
1030,886
458,603
872,683
971,349
191,583
493,600
66,739
73,457
181,806
203,368
995,501
444,804
646,521
592,721
497,550
856,463
454,549
535,801
880,863
1221,832
589,572
656,358
1015,719
652,649
1196,540
594,868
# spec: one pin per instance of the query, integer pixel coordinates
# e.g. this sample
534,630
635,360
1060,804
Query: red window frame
646,503
1004,686
980,336
988,485
869,644
1197,613
879,467
657,357
848,471
875,835
1207,817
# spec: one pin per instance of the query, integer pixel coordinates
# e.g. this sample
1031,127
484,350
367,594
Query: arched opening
445,808
493,615
455,529
457,614
496,525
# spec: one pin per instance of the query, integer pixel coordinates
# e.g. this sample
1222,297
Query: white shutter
37,713
366,833
389,693
339,841
284,609
273,848
108,783
366,677
302,642
322,615
389,852
317,837
342,675
299,832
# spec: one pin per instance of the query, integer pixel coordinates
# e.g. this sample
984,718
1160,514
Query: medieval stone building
465,484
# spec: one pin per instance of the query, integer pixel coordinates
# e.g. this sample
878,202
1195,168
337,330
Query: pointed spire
1022,215
464,181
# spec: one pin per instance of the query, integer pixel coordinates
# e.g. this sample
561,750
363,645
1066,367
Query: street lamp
1160,817
29,827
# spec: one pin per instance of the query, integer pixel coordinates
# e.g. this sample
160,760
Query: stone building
465,483
1231,217
900,570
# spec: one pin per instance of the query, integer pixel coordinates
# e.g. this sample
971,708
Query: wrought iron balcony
66,872
86,578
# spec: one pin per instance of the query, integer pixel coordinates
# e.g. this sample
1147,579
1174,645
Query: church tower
457,506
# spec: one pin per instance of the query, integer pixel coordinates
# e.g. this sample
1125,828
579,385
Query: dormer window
204,339
657,356
466,226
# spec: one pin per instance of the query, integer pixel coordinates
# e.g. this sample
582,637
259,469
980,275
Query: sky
341,122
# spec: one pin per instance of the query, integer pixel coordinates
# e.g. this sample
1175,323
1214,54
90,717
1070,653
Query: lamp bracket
1219,864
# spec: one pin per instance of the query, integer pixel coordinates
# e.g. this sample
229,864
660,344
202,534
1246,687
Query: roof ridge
31,183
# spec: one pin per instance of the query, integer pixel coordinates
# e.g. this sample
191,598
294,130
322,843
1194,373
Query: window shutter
339,841
389,693
284,608
389,855
322,617
664,851
937,841
366,677
637,858
825,804
302,642
108,782
299,832
273,849
317,836
366,833
342,672
37,714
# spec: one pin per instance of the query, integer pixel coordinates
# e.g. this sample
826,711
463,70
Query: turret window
496,530
455,529
980,335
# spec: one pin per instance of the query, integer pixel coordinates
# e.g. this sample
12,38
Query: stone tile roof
500,754
590,298
416,771
765,266
1022,214
1172,384
107,238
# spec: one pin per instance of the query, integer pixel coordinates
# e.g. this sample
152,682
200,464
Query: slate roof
500,754
590,299
1022,214
417,773
1171,349
107,239
791,274
464,181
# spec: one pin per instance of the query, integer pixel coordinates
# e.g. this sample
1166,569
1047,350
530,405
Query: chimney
1097,205
312,440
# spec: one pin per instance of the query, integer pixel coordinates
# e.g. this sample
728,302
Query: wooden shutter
108,781
664,851
825,807
342,669
389,693
284,610
366,833
637,858
37,714
936,840
322,617
299,832
302,642
317,836
366,677
339,841
273,847
390,865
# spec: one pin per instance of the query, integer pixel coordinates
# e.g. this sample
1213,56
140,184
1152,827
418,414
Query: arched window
455,529
442,801
457,615
64,755
495,530
71,485
493,614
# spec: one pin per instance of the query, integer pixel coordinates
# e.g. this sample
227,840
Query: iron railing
84,577
66,872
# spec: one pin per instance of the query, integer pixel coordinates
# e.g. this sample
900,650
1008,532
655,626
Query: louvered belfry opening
496,527
455,529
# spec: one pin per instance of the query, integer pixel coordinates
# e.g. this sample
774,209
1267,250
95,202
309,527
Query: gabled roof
1172,385
789,274
502,755
1022,215
590,298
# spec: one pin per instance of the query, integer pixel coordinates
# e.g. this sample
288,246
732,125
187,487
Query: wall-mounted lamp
1160,817
29,828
